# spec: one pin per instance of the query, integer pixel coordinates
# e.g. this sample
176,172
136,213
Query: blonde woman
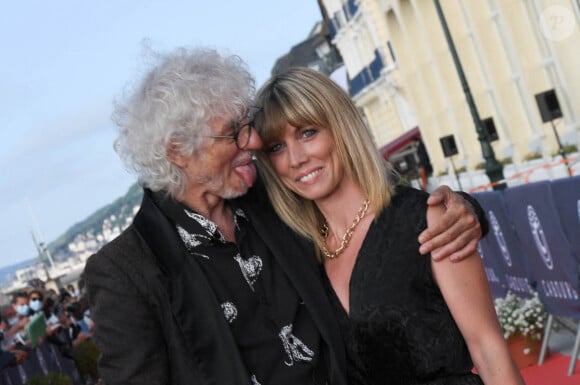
405,318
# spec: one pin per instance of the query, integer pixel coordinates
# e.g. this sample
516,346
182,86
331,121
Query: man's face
219,168
21,305
21,301
9,313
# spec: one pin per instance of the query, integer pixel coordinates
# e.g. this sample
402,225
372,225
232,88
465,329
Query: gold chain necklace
347,236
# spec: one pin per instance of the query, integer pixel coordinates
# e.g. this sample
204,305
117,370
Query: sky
64,62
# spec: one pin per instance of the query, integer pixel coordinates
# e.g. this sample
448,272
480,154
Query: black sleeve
127,332
481,217
394,179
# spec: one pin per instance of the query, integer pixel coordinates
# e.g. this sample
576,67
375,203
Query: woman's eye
274,148
308,132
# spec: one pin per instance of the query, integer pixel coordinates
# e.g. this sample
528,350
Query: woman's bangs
274,123
304,113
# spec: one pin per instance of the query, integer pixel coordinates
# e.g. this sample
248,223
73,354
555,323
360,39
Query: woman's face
306,161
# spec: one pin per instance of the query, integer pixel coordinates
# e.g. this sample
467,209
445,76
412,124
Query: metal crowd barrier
534,242
42,360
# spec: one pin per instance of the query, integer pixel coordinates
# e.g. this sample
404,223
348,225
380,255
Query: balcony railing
351,8
367,75
376,65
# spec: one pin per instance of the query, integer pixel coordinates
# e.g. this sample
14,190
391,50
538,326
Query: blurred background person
35,301
424,163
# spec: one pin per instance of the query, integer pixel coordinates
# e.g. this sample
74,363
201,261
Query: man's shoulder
255,199
128,238
127,247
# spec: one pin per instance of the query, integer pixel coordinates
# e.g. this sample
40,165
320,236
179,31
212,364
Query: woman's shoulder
405,196
406,210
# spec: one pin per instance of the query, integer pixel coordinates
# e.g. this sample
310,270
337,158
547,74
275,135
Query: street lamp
493,168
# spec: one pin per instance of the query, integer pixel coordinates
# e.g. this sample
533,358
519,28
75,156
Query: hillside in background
7,272
115,212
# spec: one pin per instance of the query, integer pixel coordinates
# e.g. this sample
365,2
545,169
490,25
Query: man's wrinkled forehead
221,124
237,118
229,112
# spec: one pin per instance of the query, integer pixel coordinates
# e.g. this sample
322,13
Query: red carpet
552,372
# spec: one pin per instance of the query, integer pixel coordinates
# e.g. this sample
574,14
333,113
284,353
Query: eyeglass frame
236,134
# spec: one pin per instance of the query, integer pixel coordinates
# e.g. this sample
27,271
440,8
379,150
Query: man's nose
255,142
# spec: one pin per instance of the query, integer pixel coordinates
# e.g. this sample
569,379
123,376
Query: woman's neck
340,208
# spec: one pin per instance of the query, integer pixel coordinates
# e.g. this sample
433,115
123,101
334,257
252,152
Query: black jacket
157,320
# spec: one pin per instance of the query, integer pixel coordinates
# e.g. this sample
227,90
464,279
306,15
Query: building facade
519,58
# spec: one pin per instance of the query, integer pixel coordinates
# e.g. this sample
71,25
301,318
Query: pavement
562,337
554,370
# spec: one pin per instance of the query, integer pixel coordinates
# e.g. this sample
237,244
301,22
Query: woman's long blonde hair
302,97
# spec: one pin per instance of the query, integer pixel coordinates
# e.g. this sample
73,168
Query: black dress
400,330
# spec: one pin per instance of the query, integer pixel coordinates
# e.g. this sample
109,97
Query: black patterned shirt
277,339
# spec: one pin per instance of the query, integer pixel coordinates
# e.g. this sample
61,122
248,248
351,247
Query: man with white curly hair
208,286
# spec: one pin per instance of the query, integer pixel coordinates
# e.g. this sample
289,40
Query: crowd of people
37,315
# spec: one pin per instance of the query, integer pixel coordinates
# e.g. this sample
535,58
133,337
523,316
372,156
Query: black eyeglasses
242,131
241,135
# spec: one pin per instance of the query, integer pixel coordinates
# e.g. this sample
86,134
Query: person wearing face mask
9,315
8,357
21,304
9,318
14,324
35,301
